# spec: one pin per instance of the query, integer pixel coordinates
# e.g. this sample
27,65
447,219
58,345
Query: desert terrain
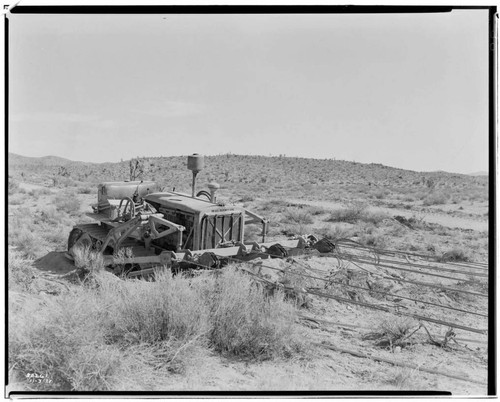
401,305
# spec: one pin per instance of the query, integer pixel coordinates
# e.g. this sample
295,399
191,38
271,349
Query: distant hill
15,159
482,173
259,174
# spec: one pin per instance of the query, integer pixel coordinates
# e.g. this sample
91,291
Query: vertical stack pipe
195,163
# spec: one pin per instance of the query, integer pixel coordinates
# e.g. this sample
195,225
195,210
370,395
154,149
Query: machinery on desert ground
144,228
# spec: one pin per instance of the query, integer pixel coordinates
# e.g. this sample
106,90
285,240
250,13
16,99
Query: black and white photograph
249,200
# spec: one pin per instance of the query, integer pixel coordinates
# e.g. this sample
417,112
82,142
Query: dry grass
49,215
67,202
356,212
298,216
455,255
247,324
27,242
36,193
374,239
394,332
20,272
16,199
89,338
404,378
436,198
13,186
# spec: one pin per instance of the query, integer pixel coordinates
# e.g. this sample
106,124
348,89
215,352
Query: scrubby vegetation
90,337
105,333
356,212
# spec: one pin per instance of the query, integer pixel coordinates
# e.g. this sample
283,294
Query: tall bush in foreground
92,338
247,323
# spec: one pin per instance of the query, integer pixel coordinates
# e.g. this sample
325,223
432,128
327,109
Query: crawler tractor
139,228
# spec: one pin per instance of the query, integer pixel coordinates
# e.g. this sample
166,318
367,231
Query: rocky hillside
261,174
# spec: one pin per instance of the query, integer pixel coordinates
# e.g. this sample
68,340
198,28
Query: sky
405,90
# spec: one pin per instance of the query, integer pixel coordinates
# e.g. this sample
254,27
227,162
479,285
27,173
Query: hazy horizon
408,91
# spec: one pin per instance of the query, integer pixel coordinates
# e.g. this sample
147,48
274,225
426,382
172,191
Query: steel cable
374,291
478,265
387,277
364,261
376,307
431,267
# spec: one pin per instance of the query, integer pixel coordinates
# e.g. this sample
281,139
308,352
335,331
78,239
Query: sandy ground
440,218
328,370
344,325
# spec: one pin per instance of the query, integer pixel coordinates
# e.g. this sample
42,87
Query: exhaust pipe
195,163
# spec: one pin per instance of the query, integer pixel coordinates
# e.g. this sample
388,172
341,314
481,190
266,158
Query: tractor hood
186,203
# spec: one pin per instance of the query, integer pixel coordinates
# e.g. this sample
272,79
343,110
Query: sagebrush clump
67,202
436,198
89,338
247,323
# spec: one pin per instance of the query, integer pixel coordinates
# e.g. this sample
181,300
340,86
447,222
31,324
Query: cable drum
209,260
277,251
324,246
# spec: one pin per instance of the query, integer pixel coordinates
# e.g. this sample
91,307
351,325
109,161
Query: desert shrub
393,332
379,194
57,236
344,215
355,214
37,192
436,198
296,229
378,288
62,181
315,210
91,338
455,254
85,190
413,222
247,324
162,311
63,340
48,215
67,202
28,243
277,205
404,378
20,272
298,216
247,198
335,232
253,233
87,259
16,199
13,186
409,198
374,217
